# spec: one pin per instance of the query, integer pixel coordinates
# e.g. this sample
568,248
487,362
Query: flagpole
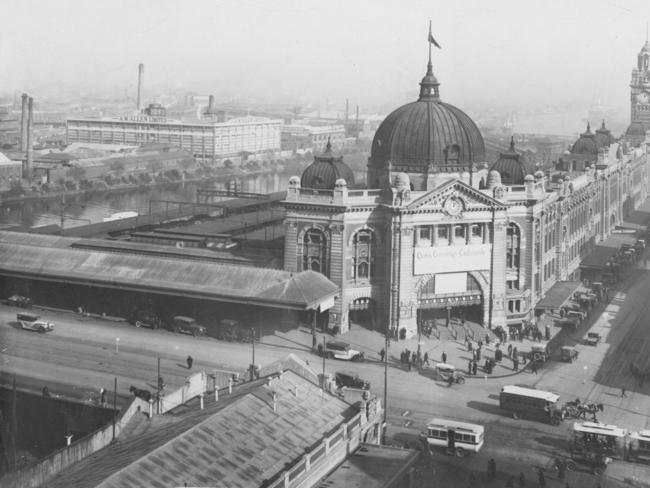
430,36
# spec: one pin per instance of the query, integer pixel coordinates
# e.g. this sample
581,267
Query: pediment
453,197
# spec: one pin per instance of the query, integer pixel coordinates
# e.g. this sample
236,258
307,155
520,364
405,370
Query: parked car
30,321
19,301
572,322
592,338
539,353
187,325
569,354
340,350
145,318
351,380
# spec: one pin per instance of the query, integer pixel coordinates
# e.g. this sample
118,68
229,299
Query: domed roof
586,144
427,135
604,136
635,129
324,172
512,167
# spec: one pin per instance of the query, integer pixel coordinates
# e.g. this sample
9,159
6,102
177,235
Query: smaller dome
635,129
493,179
529,178
340,183
294,181
603,136
539,174
325,171
402,181
586,143
512,167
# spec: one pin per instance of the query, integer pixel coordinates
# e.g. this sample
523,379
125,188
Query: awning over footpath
51,258
604,251
641,215
558,295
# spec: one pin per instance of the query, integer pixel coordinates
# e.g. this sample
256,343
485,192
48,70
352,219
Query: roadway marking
406,413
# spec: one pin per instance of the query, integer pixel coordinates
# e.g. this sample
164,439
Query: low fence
194,386
38,474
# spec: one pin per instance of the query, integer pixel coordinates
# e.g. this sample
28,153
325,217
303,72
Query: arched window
315,251
512,246
363,266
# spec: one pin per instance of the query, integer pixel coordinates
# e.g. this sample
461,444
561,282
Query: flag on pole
433,41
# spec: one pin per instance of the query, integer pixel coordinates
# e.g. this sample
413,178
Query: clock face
643,97
453,206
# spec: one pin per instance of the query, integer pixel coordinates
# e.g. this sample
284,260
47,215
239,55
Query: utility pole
159,382
114,406
62,211
252,368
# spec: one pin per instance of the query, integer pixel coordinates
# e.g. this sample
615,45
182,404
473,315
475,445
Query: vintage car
447,372
30,321
573,322
340,350
592,339
539,353
568,354
187,325
350,380
145,318
19,301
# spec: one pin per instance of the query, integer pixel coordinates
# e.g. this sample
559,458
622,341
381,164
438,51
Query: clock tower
640,97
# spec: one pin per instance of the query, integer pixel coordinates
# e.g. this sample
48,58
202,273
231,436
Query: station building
437,231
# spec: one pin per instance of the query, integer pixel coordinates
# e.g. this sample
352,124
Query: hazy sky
495,52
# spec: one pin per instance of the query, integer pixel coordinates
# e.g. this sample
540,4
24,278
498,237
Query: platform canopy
558,295
50,258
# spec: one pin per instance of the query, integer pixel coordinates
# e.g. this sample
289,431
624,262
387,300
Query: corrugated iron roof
558,295
48,258
238,442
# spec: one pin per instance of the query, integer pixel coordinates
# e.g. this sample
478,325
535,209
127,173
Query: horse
144,394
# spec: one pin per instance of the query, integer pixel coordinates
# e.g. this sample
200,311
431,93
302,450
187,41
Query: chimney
347,109
211,103
23,125
27,170
140,75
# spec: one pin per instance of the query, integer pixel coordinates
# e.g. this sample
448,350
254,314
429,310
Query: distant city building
308,137
640,97
206,140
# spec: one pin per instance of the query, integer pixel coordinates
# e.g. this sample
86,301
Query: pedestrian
102,396
189,362
382,354
533,366
515,364
541,479
474,354
480,343
522,480
561,468
487,339
450,380
514,352
510,350
478,354
474,368
511,482
426,358
414,358
444,357
623,391
469,367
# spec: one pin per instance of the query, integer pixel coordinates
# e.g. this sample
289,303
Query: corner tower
640,97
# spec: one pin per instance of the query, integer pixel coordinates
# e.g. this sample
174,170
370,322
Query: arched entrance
442,300
363,312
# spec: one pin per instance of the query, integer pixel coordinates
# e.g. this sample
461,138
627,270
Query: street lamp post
252,368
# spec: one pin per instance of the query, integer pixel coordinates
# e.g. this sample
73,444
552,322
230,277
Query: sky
496,53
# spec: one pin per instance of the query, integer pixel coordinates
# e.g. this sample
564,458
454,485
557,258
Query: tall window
512,246
364,254
314,251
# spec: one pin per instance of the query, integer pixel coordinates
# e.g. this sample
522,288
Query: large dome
324,172
427,136
586,143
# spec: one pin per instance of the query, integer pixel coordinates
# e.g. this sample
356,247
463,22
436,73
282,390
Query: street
83,354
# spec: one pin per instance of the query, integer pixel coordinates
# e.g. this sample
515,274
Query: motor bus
529,403
592,438
639,446
458,438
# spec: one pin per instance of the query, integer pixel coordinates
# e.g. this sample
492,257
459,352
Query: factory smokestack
140,75
23,125
347,109
211,103
27,170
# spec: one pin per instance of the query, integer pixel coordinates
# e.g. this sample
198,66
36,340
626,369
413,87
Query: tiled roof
47,257
239,442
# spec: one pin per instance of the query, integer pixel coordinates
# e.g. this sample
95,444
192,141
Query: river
91,208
